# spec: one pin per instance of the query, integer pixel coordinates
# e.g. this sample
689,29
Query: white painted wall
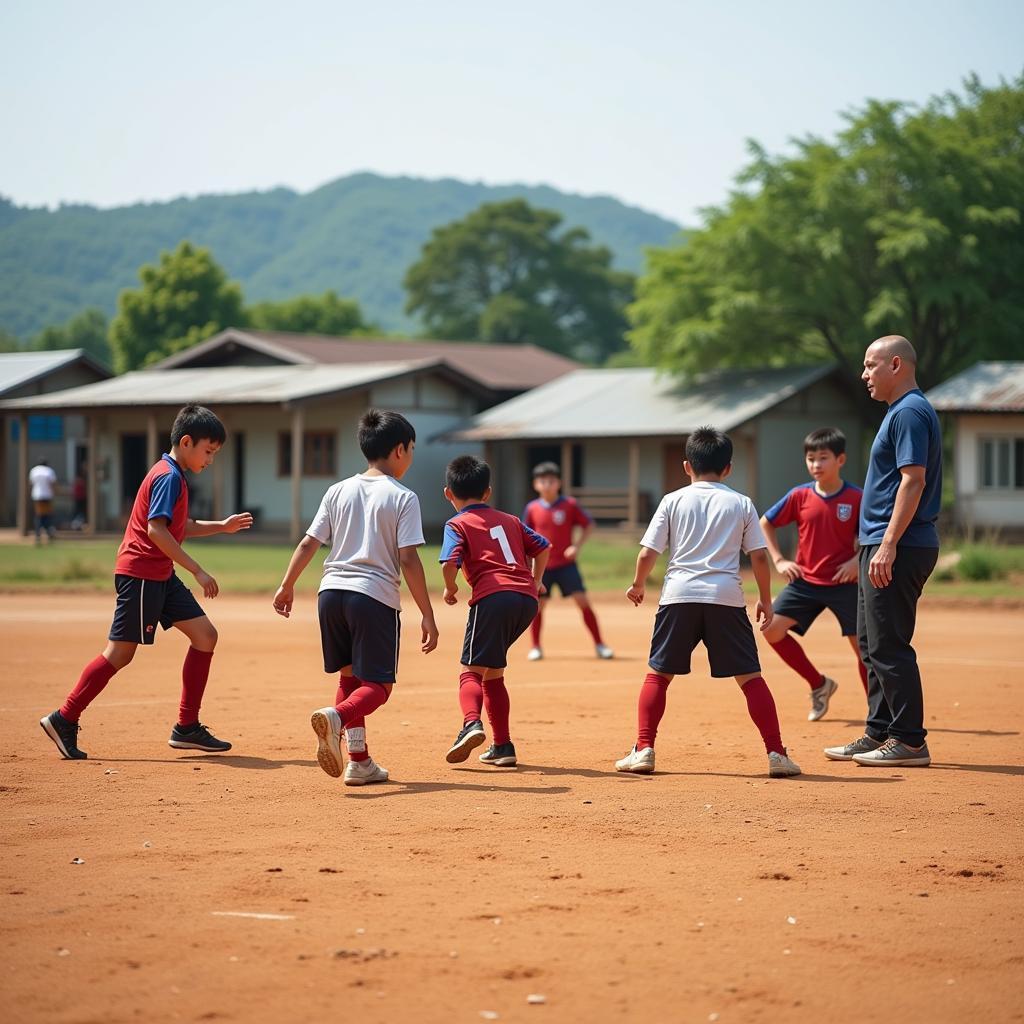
977,508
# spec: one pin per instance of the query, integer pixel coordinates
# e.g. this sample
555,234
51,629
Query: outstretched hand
239,521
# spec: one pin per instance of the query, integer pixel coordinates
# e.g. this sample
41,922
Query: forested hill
356,235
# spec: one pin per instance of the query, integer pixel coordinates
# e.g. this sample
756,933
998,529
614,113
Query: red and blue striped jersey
162,495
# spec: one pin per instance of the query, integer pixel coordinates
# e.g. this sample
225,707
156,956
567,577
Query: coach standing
899,546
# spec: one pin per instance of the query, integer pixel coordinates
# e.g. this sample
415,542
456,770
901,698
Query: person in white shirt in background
43,481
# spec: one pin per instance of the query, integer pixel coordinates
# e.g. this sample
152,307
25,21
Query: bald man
899,546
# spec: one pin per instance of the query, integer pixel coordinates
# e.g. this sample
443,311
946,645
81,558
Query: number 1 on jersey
498,533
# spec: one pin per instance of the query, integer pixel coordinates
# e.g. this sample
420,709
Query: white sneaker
781,767
535,654
327,725
362,773
820,696
639,762
604,651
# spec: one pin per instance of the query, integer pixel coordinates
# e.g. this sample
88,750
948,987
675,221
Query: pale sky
648,101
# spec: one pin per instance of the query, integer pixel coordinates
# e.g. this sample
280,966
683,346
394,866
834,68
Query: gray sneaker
894,753
861,746
820,696
780,766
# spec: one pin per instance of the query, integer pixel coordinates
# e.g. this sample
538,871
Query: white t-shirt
704,526
42,479
365,520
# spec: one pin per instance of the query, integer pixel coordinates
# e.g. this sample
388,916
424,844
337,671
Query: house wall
976,508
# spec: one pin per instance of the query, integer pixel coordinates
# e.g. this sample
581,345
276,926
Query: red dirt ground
706,892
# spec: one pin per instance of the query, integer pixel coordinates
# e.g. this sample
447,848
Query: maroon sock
590,621
650,709
347,685
863,670
362,701
471,696
497,704
761,708
535,626
90,685
793,655
194,674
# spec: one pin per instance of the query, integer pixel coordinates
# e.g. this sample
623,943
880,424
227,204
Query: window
1002,463
317,454
41,428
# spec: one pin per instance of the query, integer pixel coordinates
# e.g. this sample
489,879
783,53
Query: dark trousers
885,626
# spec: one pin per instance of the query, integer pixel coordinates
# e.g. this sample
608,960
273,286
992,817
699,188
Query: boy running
824,574
705,526
372,524
494,550
149,591
556,518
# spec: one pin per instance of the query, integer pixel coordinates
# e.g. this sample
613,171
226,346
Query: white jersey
42,478
365,520
704,526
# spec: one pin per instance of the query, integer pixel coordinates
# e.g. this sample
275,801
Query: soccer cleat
535,654
604,652
64,735
197,737
820,696
781,767
861,746
501,755
471,735
894,753
327,725
364,773
639,762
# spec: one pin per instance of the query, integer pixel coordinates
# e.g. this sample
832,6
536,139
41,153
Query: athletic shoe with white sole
639,762
501,755
364,773
197,737
327,725
894,753
780,766
861,746
604,652
64,735
535,654
820,696
471,735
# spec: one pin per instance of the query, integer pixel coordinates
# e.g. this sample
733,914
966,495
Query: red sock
650,709
793,655
535,625
590,621
761,708
194,674
362,701
863,670
90,685
497,703
471,696
355,741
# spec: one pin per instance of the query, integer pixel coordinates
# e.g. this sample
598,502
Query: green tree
87,330
310,314
504,273
9,342
184,299
909,222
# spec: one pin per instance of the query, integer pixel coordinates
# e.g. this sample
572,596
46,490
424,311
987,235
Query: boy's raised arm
412,570
301,557
209,527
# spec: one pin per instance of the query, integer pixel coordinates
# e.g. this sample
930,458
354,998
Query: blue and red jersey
493,549
555,522
162,495
826,528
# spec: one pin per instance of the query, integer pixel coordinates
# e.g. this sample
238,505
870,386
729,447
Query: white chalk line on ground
255,917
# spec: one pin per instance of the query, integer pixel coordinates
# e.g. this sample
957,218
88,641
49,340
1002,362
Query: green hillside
356,235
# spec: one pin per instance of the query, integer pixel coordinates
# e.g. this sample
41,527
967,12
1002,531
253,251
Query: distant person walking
899,546
43,480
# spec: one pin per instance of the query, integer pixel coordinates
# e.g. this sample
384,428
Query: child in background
494,551
705,526
372,524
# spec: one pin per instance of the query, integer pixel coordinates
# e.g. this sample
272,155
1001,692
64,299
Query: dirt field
706,892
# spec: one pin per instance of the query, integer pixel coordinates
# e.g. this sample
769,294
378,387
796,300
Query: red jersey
555,522
493,549
162,495
826,528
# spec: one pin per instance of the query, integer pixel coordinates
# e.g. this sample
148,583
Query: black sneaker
197,737
471,735
502,755
64,734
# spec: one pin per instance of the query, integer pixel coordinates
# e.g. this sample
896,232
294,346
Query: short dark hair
467,477
547,469
199,423
831,438
708,451
381,431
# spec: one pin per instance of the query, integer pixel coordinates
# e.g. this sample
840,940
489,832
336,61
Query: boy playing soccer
149,591
555,518
373,526
705,526
824,574
494,550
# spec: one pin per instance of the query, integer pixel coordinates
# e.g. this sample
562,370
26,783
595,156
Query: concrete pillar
22,519
567,467
489,453
298,427
152,449
634,483
4,496
92,477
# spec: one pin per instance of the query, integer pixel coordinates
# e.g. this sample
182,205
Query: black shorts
804,602
495,623
360,631
725,631
141,604
567,578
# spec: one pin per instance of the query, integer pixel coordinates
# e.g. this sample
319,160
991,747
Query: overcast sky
649,101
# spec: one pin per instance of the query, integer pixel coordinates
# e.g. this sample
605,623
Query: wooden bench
611,504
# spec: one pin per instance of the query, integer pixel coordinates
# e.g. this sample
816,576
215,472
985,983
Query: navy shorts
804,602
141,604
725,631
495,623
360,631
566,577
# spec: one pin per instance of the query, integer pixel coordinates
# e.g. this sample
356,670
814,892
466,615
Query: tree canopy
507,273
310,314
909,222
87,330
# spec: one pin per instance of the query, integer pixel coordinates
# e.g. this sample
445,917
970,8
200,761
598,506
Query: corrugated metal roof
638,402
985,387
20,368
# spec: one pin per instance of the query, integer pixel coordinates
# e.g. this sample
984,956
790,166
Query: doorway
133,468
